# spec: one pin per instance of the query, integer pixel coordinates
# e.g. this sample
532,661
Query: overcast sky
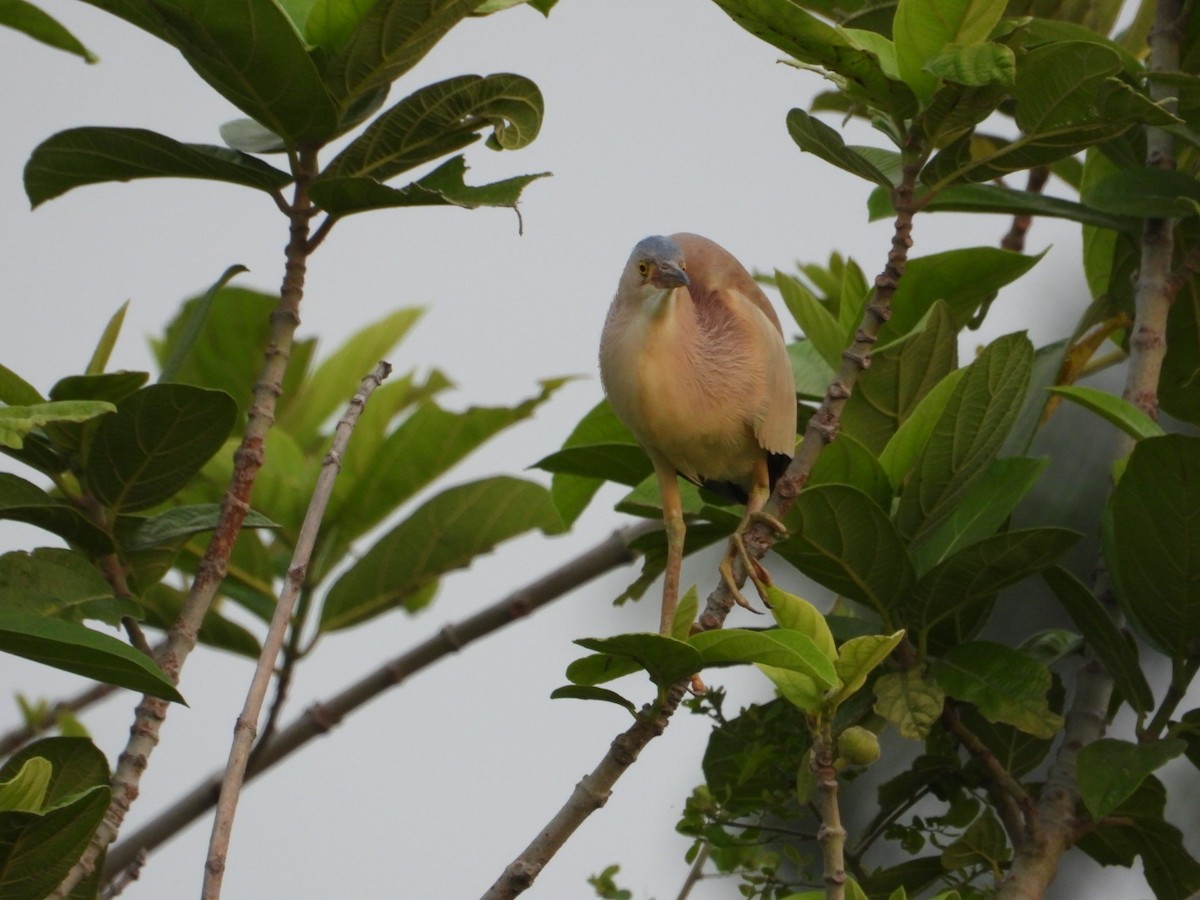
661,116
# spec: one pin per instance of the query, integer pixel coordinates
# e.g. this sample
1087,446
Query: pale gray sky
661,116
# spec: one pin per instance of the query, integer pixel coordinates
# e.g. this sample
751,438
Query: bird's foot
754,569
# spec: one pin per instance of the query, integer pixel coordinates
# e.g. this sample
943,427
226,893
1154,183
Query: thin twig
693,875
131,874
322,717
247,723
1013,803
248,459
1037,858
590,794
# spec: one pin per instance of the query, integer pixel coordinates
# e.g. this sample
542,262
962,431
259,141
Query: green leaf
665,659
37,850
982,511
1005,684
330,23
967,436
440,119
963,586
819,325
92,155
795,614
983,843
600,447
389,40
591,692
809,370
1118,411
909,701
329,388
1177,394
52,581
599,668
995,198
901,375
780,649
183,521
21,501
193,325
975,65
859,657
17,421
843,541
162,605
1152,542
904,447
685,614
1137,828
924,27
1111,770
251,53
1056,84
156,442
814,136
793,30
26,791
963,279
108,340
795,687
76,765
1145,193
445,533
444,186
228,352
27,18
16,391
376,480
74,648
846,461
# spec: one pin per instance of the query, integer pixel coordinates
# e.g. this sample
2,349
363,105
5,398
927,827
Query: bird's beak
669,275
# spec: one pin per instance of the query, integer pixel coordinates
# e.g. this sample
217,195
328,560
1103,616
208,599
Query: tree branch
322,717
831,835
1013,803
248,459
246,727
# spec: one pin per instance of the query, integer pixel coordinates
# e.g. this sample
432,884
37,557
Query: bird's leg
759,492
673,523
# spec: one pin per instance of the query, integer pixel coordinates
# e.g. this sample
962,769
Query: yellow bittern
693,362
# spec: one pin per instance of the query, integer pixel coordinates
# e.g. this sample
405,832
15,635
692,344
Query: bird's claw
754,569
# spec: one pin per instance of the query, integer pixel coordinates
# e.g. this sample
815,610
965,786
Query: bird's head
658,263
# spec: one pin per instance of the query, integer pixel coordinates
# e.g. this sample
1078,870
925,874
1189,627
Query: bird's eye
643,269
683,267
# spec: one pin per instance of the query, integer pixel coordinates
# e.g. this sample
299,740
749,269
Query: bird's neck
658,302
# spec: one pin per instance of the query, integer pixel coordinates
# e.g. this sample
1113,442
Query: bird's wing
775,423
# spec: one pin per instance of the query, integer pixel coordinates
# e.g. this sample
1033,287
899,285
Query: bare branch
246,727
322,717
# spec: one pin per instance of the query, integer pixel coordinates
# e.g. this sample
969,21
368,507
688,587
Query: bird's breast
685,401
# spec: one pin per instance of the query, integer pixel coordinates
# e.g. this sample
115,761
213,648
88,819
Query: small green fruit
858,746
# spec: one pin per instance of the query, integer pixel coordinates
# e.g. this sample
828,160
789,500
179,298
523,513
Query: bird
693,362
